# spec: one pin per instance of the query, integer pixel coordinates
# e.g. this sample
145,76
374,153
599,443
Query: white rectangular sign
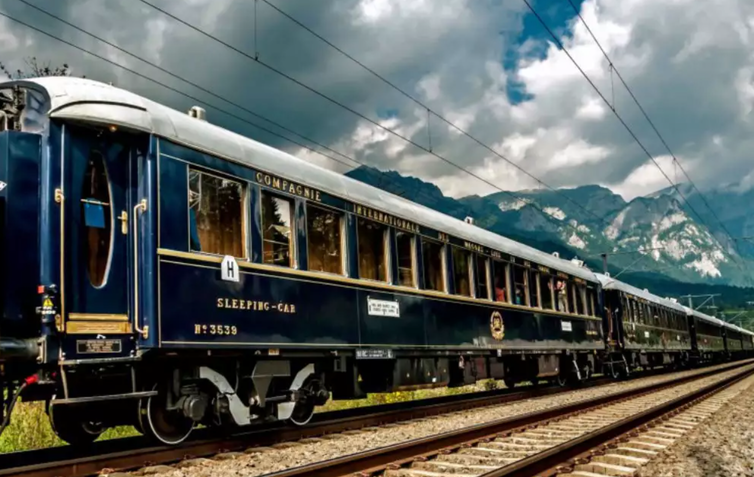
566,326
383,308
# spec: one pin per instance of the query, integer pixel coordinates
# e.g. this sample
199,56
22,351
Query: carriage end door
98,178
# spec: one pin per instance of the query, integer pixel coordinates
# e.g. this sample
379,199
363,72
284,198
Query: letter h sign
229,269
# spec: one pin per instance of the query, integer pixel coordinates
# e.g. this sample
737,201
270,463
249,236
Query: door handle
140,207
123,222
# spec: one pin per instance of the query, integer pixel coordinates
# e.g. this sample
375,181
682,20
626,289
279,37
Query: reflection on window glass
323,233
432,258
561,294
96,211
481,278
520,282
534,288
404,244
580,291
216,214
461,271
545,287
372,257
501,280
277,238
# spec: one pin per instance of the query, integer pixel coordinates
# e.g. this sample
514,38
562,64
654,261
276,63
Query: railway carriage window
520,285
216,214
277,239
500,270
372,252
97,219
580,292
432,257
561,294
482,278
404,247
461,271
546,289
324,229
534,289
590,302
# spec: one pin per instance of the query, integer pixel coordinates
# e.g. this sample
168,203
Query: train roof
704,317
91,101
609,283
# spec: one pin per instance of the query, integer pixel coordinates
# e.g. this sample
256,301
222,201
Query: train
162,272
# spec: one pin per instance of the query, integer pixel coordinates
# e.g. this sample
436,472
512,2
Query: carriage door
97,197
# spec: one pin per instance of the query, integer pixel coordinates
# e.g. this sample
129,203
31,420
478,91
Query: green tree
35,68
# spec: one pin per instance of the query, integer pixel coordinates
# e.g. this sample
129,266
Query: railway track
575,440
132,453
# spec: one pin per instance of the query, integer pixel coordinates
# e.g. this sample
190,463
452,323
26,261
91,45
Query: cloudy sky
487,66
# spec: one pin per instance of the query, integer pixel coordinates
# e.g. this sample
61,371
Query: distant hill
588,220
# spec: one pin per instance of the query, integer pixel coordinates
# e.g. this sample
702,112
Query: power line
401,192
562,47
651,123
305,86
211,93
175,90
431,111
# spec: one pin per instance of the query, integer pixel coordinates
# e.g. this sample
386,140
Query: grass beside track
30,427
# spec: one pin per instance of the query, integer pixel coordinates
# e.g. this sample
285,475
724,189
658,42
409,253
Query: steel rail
561,458
135,452
392,457
132,452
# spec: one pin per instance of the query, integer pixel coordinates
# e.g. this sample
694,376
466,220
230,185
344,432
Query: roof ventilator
556,254
469,220
198,113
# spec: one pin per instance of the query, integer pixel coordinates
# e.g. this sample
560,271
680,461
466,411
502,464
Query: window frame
292,242
343,240
414,261
244,209
469,270
386,248
109,204
487,277
525,270
506,280
443,265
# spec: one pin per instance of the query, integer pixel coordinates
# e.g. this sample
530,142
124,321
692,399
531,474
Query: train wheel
71,426
562,379
166,426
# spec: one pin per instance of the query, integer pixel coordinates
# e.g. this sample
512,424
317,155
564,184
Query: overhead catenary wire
633,135
340,104
399,191
434,113
651,123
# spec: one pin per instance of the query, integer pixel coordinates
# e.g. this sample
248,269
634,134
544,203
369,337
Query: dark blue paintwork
20,156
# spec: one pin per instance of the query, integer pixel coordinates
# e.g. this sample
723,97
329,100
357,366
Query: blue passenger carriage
161,271
643,329
708,335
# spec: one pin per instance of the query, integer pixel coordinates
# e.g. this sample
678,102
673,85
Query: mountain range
675,234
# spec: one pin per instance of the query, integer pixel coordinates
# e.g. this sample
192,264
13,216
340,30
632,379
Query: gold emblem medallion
497,327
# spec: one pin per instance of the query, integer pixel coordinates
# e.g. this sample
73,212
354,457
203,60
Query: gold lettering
299,190
267,306
293,308
219,302
276,182
292,189
235,304
197,329
249,305
242,304
259,177
227,303
267,179
307,192
318,199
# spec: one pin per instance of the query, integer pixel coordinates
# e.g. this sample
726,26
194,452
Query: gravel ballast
721,446
260,461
